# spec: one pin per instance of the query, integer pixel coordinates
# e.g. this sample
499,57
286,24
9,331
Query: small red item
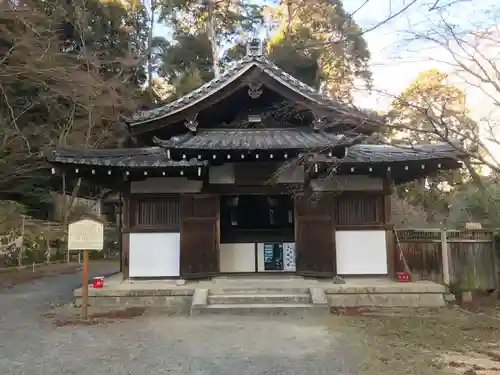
98,282
402,277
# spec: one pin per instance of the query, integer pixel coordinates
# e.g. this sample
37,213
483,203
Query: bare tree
56,90
472,64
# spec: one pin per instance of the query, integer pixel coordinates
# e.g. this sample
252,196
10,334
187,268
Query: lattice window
163,212
358,209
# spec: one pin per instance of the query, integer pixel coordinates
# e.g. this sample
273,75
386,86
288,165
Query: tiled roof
363,153
237,70
256,139
156,156
129,157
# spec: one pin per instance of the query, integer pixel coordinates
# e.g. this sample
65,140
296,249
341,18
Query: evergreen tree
318,43
431,110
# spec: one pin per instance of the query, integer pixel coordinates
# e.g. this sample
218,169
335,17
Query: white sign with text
86,234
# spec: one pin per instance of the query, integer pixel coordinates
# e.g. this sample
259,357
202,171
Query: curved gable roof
236,71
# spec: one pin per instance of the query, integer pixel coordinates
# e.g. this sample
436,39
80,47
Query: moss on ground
415,341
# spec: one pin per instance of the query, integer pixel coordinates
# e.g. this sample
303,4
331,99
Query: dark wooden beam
230,189
221,156
390,240
125,234
101,176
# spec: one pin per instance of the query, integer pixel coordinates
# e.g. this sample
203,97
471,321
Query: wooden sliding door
199,236
315,236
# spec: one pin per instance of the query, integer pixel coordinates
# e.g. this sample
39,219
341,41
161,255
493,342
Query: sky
395,62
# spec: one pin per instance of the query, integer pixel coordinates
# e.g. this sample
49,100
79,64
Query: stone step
272,277
260,290
282,309
262,298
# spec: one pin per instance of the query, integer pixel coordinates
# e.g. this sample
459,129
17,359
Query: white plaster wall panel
361,252
237,257
260,257
290,172
154,254
154,185
348,183
223,174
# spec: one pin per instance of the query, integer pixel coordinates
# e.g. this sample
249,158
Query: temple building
255,172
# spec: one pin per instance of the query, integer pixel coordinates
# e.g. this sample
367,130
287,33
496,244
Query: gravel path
158,344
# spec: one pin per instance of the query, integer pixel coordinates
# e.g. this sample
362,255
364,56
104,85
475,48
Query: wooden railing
469,256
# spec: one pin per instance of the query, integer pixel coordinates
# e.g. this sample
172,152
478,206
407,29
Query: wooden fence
470,256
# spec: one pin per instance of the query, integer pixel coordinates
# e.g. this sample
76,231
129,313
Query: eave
110,166
398,163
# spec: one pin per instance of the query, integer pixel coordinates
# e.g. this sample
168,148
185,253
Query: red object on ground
402,277
98,282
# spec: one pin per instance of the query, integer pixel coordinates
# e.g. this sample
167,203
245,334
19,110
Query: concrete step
262,298
260,290
282,309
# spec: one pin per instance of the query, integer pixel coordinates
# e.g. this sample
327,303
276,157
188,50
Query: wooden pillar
445,258
391,252
126,217
390,238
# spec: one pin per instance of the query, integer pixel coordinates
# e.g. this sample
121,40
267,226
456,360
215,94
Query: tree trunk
476,178
210,30
288,5
150,47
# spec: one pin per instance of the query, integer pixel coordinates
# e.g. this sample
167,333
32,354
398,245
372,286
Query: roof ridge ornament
319,122
254,89
254,47
254,85
191,123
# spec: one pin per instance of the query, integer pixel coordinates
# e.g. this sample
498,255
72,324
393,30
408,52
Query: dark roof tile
132,158
256,139
363,153
236,70
156,156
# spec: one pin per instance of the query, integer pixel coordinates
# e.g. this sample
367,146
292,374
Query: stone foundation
178,299
418,294
170,300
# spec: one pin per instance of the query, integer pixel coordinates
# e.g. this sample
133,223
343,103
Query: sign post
84,235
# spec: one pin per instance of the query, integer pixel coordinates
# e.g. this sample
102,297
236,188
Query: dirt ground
397,341
445,341
12,277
